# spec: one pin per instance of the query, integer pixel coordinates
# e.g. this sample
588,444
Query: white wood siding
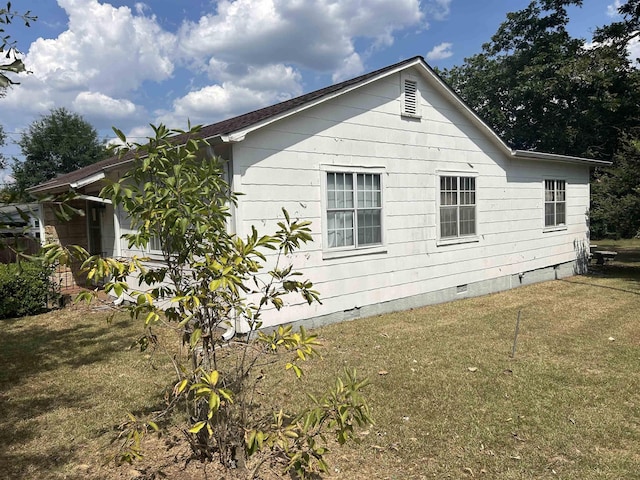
280,166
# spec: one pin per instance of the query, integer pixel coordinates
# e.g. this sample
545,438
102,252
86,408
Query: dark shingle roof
224,127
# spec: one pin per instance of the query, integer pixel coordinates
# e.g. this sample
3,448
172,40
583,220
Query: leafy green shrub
24,289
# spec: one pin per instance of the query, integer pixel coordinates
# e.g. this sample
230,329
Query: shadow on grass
623,268
627,255
21,424
40,466
27,350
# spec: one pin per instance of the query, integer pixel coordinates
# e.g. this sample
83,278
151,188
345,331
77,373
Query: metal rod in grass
515,337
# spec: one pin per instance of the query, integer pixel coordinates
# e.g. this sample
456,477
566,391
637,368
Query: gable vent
410,97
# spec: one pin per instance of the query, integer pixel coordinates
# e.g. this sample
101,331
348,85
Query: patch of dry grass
567,406
67,378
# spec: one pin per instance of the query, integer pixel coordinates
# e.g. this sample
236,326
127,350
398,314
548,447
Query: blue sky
127,64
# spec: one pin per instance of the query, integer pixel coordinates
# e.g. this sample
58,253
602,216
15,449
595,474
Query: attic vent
411,102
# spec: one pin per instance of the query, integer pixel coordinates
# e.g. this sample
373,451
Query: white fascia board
552,157
91,198
240,135
96,177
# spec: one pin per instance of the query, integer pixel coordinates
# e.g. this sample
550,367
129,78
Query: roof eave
552,157
240,134
52,186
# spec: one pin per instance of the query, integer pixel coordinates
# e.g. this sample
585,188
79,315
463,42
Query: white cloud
244,55
440,52
217,102
37,99
97,104
317,34
272,77
105,50
141,8
438,9
351,67
612,10
239,89
253,49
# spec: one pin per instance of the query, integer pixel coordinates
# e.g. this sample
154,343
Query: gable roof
235,129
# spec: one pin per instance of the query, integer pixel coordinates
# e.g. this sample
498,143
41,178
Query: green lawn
448,399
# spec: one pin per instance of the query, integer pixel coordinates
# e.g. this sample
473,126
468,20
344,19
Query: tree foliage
3,140
26,289
615,205
615,208
59,142
208,282
540,89
620,34
8,50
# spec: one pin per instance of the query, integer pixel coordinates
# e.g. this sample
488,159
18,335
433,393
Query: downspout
234,223
229,333
234,180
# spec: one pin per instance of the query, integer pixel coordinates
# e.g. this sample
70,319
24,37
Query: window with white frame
155,245
555,203
457,207
354,209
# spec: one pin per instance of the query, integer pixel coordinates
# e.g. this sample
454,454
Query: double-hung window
154,246
354,209
457,207
555,203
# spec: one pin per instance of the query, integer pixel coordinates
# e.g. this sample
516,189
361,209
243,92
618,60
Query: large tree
59,142
541,89
615,204
621,33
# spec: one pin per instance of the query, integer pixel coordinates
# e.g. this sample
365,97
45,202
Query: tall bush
25,289
209,281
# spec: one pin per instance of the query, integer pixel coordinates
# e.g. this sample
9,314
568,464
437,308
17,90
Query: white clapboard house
414,200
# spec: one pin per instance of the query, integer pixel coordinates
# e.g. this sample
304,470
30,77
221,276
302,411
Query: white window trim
404,78
460,239
555,228
153,251
350,251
